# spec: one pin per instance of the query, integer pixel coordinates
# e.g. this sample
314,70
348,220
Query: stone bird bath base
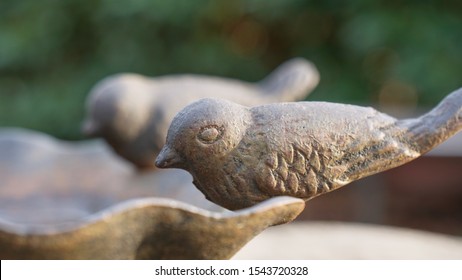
63,200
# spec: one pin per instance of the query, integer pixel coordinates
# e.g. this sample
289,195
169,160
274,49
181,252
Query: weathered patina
240,156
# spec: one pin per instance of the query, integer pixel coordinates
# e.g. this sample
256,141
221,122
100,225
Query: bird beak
168,158
89,128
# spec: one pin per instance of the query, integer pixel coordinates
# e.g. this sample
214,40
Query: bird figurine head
118,107
210,128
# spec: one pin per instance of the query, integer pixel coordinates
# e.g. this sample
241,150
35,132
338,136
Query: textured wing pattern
299,172
236,184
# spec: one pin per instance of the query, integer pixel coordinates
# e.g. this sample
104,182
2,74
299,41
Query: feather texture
297,149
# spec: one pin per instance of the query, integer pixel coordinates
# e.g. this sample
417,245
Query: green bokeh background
383,53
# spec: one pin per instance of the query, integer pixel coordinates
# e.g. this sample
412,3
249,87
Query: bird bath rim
138,203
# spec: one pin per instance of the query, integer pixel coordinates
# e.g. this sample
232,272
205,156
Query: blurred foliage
383,52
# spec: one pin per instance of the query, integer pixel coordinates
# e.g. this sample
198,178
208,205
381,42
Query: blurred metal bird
133,113
240,156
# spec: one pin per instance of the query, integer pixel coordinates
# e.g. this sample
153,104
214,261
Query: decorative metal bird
133,113
240,156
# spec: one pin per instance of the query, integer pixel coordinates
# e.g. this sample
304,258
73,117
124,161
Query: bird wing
313,147
294,171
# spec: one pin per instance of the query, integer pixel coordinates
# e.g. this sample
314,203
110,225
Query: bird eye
210,134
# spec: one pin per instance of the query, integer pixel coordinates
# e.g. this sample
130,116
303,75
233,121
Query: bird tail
291,81
433,128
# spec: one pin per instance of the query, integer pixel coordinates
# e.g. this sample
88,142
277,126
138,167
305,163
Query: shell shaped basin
76,200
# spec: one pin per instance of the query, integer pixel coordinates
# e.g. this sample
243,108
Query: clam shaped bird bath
63,200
